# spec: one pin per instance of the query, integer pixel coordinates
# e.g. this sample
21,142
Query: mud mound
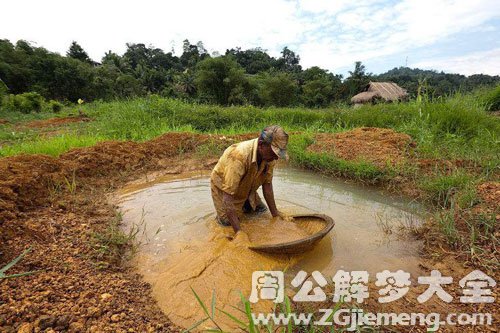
25,181
171,144
104,157
56,121
376,145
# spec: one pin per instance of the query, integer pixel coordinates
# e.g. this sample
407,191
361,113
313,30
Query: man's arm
228,201
267,189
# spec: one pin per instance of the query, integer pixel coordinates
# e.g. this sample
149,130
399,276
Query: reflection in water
191,250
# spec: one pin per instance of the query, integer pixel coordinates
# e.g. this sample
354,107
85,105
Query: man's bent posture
241,170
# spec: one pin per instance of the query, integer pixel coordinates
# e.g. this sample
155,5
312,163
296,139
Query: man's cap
278,139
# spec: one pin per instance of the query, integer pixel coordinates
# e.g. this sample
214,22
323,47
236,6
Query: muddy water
183,248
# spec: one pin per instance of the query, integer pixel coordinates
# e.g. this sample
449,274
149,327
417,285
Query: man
241,170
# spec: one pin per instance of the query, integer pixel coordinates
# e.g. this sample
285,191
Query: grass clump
112,245
211,149
55,106
449,128
290,321
442,189
489,98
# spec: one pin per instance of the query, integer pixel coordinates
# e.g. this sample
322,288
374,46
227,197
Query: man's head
272,143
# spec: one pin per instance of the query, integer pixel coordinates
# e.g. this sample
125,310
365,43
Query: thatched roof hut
386,91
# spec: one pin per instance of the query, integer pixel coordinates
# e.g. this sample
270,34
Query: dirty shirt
238,173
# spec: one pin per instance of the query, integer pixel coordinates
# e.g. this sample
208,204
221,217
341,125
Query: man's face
266,152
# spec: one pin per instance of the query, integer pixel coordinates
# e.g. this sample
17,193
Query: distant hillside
437,83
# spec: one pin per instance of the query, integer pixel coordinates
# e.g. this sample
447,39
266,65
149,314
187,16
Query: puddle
183,247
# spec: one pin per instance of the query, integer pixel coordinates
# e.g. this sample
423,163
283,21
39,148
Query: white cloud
328,33
485,62
322,6
374,31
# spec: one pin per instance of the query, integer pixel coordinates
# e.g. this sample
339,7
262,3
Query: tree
357,80
318,93
319,87
253,60
14,67
222,80
278,89
137,54
128,86
104,81
71,80
77,52
289,61
438,83
192,54
142,69
186,83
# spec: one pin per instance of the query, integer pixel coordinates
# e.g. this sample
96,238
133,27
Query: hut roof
389,91
364,97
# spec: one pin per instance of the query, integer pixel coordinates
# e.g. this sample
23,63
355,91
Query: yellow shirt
237,172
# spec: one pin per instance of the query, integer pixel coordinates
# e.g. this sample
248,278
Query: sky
455,36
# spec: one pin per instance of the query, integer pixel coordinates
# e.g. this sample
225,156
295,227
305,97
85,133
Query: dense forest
237,77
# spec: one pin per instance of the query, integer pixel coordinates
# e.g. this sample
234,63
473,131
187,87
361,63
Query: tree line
237,77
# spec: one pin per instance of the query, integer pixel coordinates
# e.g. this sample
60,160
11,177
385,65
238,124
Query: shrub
55,106
25,103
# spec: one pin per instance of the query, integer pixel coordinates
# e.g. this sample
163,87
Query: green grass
455,127
51,146
443,188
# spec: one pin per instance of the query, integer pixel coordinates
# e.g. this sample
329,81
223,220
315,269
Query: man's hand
267,189
228,202
280,216
241,238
